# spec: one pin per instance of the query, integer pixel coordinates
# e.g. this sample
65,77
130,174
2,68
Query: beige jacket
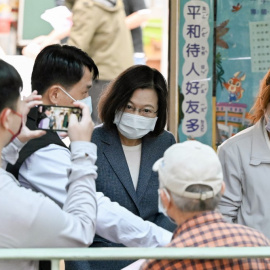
101,31
245,159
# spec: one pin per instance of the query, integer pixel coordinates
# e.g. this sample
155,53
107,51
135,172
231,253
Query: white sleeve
42,223
10,153
119,225
46,171
231,200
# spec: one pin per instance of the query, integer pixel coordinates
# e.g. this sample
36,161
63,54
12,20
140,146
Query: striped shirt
208,229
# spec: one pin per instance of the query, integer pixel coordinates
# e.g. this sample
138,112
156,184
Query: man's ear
54,94
165,198
4,119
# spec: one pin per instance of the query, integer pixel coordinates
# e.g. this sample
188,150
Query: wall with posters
242,59
195,70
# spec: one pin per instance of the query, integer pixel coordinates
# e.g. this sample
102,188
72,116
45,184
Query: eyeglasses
144,112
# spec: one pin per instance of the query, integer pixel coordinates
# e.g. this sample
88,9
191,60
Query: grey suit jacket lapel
116,157
147,161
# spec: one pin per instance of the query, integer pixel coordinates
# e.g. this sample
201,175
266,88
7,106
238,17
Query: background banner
195,70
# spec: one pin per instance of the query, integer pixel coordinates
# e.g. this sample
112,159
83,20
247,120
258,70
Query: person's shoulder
101,133
98,130
248,235
166,135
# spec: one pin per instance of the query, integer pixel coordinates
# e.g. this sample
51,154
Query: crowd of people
124,182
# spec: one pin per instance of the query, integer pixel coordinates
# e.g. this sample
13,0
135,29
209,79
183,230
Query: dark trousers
98,265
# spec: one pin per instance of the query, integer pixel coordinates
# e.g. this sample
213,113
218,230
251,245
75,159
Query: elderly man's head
192,175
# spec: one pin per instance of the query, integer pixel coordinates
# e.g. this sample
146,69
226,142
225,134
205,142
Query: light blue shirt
32,220
46,171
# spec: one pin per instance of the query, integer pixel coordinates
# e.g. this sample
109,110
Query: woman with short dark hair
133,110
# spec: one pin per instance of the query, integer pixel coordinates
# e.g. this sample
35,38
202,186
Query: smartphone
55,118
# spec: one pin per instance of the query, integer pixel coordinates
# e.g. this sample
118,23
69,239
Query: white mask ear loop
167,194
66,93
169,199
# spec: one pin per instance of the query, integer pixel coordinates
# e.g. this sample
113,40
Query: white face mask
87,101
134,126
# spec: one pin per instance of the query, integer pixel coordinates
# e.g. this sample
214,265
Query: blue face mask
87,101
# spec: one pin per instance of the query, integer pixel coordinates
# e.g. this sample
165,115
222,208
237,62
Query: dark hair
118,93
10,86
60,64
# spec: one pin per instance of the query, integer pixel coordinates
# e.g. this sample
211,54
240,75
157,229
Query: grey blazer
114,178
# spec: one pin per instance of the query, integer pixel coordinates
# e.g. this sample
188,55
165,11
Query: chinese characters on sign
259,45
195,68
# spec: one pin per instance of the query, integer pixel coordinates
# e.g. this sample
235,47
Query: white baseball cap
190,163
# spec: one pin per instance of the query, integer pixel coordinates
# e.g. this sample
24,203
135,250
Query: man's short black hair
60,64
10,86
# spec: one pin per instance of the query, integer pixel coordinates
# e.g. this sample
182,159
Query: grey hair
194,205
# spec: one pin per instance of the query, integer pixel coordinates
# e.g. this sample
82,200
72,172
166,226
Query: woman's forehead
144,97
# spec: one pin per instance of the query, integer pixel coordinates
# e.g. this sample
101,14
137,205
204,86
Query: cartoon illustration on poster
242,59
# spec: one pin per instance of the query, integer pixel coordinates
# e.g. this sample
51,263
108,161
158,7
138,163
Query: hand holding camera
74,120
80,130
29,102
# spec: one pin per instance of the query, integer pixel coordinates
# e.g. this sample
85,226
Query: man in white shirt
62,74
29,219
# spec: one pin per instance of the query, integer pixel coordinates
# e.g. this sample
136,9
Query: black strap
33,145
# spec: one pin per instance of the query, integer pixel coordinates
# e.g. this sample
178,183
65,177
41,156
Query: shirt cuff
80,149
18,143
10,153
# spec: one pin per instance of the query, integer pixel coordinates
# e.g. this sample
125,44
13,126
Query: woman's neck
129,142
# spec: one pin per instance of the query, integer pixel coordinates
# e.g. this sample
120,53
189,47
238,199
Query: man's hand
80,131
30,102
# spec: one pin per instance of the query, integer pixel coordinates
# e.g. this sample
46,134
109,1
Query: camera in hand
56,118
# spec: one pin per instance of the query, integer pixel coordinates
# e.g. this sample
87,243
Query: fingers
27,134
31,101
37,133
86,117
80,130
34,96
63,134
72,120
